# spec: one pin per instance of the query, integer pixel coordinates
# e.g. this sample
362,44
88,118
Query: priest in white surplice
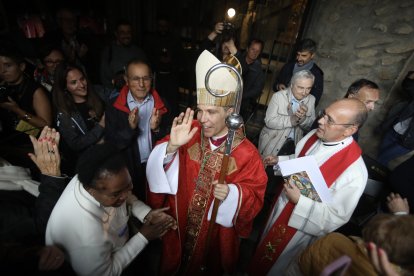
296,220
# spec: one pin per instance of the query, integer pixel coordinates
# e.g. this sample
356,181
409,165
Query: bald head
341,119
358,110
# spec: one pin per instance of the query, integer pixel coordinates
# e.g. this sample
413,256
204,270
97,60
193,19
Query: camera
5,92
227,26
228,31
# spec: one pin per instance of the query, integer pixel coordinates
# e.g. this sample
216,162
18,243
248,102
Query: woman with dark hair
80,112
50,57
24,107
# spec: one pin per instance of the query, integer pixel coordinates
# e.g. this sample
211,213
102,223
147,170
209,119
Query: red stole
280,233
120,102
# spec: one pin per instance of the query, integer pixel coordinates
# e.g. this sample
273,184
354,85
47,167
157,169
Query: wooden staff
233,122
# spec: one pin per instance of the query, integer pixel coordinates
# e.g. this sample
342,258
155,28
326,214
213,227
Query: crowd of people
120,167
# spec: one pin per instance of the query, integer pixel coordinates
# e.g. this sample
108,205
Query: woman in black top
80,112
24,108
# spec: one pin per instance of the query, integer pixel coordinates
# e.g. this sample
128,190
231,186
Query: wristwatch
27,117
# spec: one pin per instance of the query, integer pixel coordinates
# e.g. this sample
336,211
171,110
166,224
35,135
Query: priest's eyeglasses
328,119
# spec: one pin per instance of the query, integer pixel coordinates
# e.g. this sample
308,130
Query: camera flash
231,12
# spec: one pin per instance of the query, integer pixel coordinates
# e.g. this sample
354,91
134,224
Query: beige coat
278,122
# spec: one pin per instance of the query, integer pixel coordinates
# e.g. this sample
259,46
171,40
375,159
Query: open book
304,172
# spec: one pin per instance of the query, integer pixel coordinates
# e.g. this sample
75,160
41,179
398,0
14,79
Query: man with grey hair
296,220
289,114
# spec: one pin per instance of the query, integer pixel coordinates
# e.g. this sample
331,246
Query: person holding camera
24,107
216,40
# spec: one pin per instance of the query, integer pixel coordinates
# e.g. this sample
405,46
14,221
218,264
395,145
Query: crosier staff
234,121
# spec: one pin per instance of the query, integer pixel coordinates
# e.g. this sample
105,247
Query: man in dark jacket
133,121
304,61
252,73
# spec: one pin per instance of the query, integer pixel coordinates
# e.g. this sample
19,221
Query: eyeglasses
328,119
51,62
146,79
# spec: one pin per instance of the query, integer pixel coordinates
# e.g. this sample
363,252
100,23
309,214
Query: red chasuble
183,250
280,233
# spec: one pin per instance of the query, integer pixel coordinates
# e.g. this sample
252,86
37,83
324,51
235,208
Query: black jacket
75,132
401,112
119,133
253,77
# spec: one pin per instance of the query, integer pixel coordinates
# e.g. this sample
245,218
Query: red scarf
121,101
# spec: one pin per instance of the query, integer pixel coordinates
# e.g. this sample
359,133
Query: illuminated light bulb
231,12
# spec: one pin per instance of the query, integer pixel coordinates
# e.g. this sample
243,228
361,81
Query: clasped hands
301,112
157,223
155,120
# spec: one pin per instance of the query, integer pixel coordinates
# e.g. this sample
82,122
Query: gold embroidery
279,233
199,201
232,165
210,165
195,152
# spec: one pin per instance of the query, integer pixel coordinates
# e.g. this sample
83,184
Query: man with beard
304,61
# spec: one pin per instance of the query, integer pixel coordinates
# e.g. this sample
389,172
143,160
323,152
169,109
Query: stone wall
371,39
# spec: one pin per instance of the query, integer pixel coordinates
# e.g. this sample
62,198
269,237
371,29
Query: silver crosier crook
234,121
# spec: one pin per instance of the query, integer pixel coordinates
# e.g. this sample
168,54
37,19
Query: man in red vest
296,220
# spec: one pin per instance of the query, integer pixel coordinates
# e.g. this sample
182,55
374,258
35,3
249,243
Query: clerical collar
217,141
331,144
